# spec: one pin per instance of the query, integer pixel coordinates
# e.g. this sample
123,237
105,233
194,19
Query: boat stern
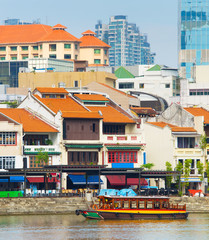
89,214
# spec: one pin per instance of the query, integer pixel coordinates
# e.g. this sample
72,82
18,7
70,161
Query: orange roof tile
111,115
89,32
93,97
126,94
30,122
199,112
32,33
89,115
51,90
62,104
173,127
89,40
58,34
59,26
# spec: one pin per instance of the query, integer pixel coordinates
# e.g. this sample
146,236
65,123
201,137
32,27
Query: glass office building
193,36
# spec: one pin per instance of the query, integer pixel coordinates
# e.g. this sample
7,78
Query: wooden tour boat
138,207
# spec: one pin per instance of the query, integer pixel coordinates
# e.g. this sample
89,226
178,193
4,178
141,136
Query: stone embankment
68,205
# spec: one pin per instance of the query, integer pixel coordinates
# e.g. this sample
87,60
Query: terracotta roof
58,34
126,94
30,122
62,104
199,112
93,97
89,32
51,90
59,26
173,127
89,115
89,40
111,115
22,33
33,33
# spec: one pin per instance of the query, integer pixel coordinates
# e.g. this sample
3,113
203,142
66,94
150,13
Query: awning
123,147
36,153
3,180
120,180
80,179
17,179
41,179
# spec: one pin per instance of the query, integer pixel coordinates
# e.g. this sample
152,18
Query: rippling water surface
58,227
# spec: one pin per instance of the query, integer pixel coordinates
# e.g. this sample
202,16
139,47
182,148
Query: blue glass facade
193,36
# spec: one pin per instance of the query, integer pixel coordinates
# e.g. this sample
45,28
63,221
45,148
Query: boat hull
133,214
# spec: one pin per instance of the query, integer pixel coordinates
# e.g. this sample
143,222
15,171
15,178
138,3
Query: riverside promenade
68,205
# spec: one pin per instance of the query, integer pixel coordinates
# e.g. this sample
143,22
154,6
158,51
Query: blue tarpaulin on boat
127,192
3,180
81,179
17,179
109,192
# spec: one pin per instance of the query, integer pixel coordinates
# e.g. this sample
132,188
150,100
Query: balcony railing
188,151
122,138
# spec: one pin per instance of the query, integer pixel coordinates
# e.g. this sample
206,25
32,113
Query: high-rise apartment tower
128,46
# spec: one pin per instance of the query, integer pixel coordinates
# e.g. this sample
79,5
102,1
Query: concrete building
64,79
158,80
93,49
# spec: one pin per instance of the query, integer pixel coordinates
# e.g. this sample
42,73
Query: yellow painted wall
52,79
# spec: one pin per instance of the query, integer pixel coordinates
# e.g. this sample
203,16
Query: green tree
147,165
179,168
186,171
42,157
200,168
169,178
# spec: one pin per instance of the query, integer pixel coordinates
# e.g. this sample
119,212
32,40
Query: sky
156,18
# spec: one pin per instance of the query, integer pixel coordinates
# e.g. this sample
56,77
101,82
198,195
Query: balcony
122,139
34,149
185,152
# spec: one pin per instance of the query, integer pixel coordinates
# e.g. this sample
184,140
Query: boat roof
134,197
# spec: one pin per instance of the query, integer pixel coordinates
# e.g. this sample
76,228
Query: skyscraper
128,46
193,36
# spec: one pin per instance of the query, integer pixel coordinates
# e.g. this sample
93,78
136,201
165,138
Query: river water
59,227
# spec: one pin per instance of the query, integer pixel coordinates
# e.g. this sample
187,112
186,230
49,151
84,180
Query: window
76,57
67,56
105,62
2,48
13,48
24,56
40,47
2,57
52,47
97,51
7,138
34,164
35,55
141,85
185,142
82,158
76,46
7,162
105,52
97,61
167,85
126,85
76,83
114,129
52,56
35,47
93,127
67,46
14,57
122,157
24,48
